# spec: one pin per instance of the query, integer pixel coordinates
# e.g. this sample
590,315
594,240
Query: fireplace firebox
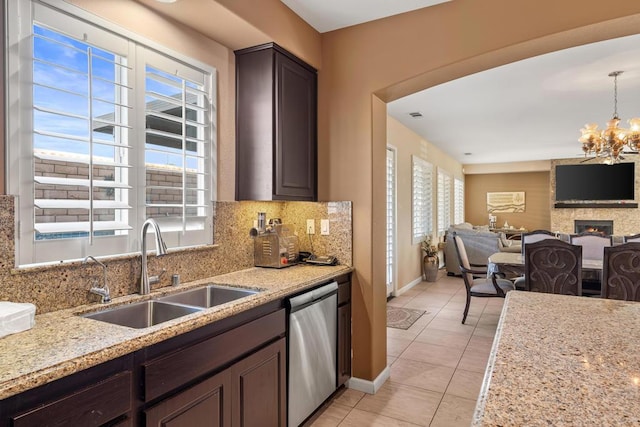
604,227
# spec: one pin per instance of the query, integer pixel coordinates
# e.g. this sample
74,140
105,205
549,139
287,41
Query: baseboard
370,387
404,289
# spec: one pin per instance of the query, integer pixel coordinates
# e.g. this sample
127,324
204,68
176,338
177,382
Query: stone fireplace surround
626,220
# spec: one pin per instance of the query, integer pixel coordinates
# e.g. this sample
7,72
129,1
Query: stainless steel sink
143,314
208,296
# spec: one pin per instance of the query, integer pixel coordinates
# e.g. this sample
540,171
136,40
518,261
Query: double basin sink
152,312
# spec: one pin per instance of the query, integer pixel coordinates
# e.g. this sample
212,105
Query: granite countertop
563,361
62,343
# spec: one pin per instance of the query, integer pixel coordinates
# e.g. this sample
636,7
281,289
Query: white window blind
80,138
109,133
444,201
177,147
458,200
391,214
422,191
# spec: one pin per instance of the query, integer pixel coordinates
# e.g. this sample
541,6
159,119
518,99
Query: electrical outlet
324,227
311,226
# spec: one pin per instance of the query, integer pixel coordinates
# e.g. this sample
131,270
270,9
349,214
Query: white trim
370,387
405,288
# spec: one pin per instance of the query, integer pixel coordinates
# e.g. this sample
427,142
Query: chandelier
611,142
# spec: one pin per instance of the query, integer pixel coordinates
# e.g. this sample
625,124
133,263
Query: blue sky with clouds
66,89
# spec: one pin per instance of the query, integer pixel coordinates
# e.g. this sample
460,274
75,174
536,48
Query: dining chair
632,238
621,272
532,237
536,236
593,245
475,278
553,266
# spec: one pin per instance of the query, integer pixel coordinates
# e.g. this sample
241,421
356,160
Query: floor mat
402,318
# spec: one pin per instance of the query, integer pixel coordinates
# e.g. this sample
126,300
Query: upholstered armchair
480,244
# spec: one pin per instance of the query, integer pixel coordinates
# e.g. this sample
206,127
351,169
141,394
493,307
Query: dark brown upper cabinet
276,142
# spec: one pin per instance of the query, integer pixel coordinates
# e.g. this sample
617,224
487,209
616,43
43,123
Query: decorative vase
430,265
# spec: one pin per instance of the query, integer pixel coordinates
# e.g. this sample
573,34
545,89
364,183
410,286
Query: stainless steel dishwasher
312,350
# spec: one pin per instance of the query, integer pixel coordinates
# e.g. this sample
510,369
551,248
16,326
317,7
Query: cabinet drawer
92,406
167,373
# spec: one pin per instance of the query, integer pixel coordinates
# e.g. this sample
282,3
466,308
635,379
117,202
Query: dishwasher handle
309,297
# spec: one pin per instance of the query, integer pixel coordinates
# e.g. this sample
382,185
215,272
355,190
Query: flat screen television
595,182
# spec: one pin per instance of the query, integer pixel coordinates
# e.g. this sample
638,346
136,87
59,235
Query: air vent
416,114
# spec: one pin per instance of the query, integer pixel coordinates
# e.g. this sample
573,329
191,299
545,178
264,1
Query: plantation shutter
422,184
458,200
104,132
177,139
391,196
80,133
444,201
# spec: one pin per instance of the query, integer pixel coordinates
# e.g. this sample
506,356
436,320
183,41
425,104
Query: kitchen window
106,133
422,204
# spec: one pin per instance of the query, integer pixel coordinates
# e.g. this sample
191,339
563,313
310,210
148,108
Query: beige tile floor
437,365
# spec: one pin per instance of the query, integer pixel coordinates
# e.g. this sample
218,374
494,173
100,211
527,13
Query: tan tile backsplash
55,287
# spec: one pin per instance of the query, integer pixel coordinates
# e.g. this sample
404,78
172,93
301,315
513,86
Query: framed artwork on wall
505,201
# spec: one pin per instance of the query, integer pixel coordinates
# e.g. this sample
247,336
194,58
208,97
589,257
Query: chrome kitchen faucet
161,249
103,291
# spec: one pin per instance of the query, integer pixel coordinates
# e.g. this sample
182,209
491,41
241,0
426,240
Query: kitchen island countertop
62,342
563,361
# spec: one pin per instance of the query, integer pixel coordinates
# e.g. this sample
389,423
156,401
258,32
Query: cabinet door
254,125
259,388
344,343
295,144
207,404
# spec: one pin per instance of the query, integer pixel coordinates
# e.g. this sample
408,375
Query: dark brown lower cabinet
344,343
344,329
95,405
229,373
259,388
249,393
98,396
207,404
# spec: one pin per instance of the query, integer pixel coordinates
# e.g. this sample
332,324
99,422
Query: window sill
36,268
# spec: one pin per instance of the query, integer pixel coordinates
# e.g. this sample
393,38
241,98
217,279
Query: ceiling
329,15
528,110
